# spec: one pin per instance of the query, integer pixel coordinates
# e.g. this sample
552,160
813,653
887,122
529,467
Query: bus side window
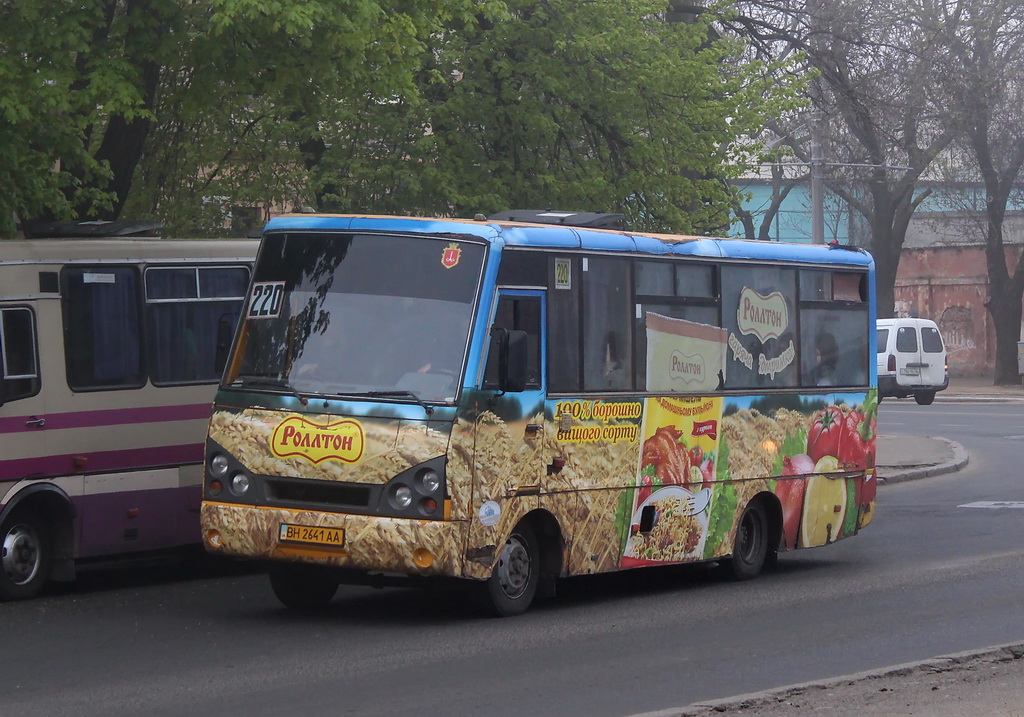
607,326
834,330
517,313
759,311
225,332
191,314
18,362
103,327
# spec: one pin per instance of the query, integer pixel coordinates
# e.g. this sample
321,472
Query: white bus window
563,304
695,280
18,362
834,329
834,347
759,314
223,282
518,313
607,342
709,355
654,278
662,278
187,309
103,327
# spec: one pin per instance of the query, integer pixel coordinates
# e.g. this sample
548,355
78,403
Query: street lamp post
817,182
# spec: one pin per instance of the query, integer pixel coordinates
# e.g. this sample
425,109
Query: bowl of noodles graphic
669,526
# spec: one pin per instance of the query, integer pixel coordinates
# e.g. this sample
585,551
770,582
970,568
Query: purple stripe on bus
108,417
101,461
137,520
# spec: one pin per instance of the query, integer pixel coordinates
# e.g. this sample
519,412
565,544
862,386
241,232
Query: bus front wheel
25,555
516,574
302,587
750,547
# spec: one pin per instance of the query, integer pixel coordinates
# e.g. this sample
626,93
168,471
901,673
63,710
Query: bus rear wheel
302,587
750,547
25,555
516,574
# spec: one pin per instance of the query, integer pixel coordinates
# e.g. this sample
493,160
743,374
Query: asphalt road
927,578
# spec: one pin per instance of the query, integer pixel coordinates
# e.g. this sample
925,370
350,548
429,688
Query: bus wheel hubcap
20,554
514,568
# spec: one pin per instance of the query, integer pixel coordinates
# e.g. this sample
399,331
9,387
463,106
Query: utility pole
817,182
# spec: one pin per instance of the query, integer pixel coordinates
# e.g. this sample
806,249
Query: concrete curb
979,399
944,663
960,459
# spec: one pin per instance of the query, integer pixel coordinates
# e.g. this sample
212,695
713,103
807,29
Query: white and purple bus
110,351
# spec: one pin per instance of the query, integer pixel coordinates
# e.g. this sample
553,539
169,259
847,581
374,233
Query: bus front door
514,453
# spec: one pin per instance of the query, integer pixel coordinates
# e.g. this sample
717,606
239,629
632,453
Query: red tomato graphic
825,432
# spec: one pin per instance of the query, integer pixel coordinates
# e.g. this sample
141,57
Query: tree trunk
1004,305
886,247
123,143
1005,291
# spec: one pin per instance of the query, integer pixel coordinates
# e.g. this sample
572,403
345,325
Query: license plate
914,371
334,537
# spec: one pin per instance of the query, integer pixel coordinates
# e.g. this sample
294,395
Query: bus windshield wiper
269,382
402,394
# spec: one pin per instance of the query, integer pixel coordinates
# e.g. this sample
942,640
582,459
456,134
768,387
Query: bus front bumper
359,542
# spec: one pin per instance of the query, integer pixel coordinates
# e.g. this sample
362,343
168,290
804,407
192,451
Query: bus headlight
240,484
401,496
218,465
429,482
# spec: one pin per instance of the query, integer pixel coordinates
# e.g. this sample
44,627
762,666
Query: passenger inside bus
826,352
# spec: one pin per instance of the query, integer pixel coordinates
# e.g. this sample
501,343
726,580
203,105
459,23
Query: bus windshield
352,314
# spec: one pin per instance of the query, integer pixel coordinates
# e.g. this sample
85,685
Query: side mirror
225,331
512,361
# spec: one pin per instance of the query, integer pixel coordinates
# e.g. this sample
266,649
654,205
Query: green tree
55,87
601,105
167,104
249,108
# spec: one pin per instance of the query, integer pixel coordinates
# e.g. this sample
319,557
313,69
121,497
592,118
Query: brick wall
949,285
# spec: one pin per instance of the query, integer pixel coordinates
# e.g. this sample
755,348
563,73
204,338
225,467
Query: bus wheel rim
20,557
514,568
747,541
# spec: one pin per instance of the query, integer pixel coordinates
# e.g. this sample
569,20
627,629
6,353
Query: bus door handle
37,422
532,429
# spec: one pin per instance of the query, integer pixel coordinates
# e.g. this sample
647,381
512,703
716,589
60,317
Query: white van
911,359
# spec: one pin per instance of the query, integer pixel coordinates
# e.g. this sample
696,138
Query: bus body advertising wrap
513,403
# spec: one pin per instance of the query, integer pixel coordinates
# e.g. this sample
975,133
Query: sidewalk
967,389
981,682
